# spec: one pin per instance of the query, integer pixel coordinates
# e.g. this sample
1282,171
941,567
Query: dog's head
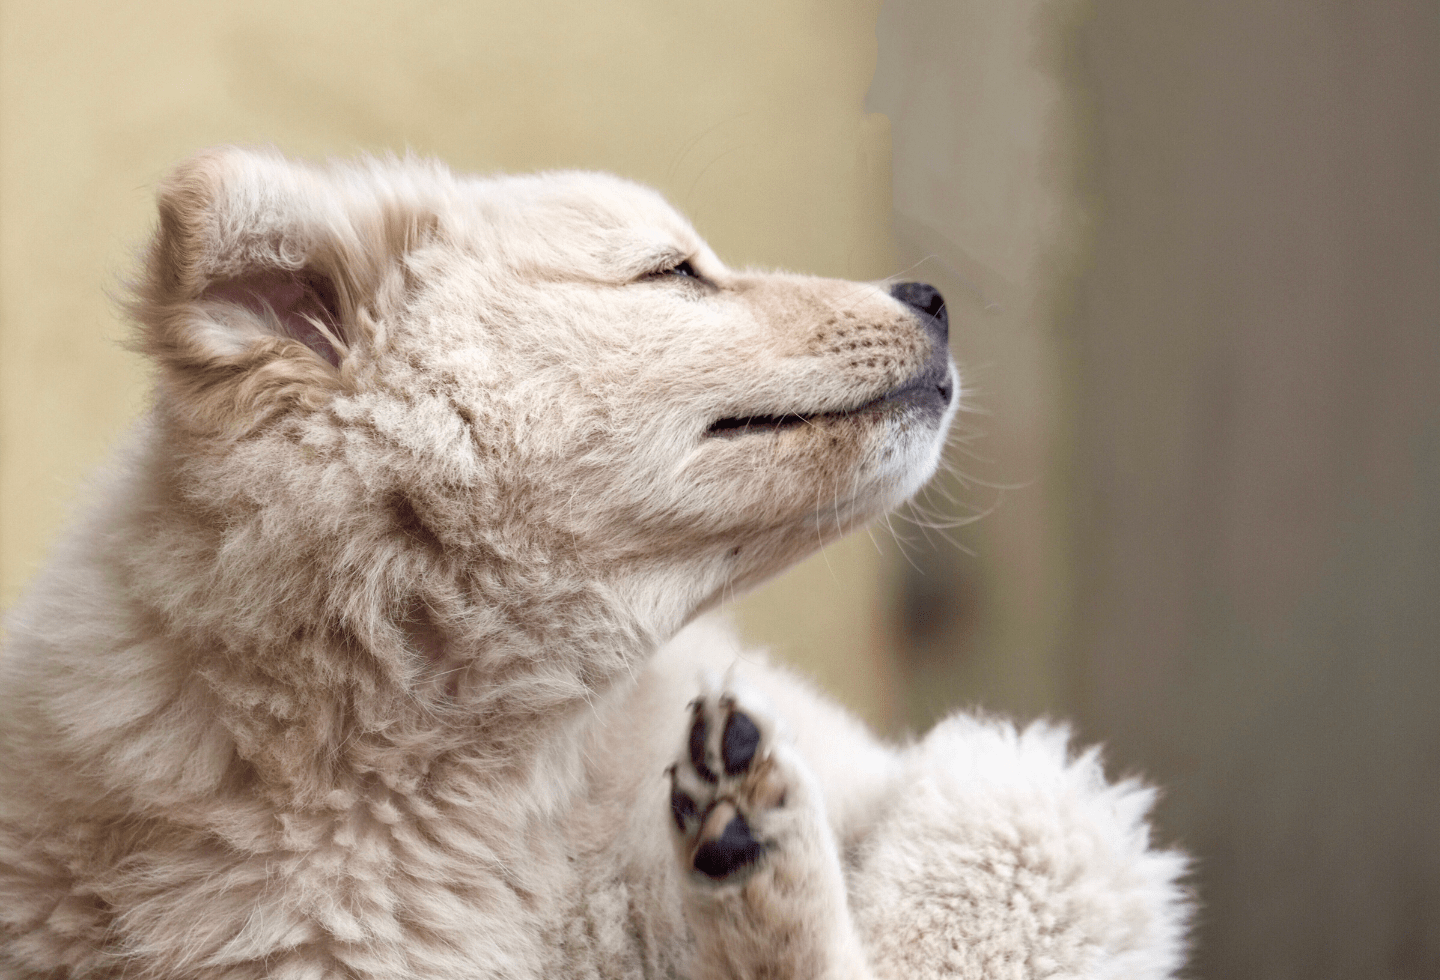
548,371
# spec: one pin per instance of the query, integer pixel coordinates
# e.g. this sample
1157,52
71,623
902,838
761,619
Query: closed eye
680,270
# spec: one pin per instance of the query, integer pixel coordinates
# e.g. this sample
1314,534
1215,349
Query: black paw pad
698,731
682,807
733,849
738,744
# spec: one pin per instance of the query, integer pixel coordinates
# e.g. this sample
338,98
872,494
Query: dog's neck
322,691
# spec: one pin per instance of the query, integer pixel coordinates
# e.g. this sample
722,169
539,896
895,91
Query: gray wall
1237,512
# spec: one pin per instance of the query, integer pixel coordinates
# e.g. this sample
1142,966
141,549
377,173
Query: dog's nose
926,300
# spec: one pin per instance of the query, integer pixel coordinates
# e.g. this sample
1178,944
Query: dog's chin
915,462
922,436
805,538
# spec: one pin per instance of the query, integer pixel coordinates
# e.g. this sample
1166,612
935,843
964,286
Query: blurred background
1192,256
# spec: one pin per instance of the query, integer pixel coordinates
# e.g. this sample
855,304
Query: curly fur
352,671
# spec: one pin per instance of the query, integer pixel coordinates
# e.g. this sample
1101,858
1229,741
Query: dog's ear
264,279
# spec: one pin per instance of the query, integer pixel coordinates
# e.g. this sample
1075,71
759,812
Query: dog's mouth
931,389
733,428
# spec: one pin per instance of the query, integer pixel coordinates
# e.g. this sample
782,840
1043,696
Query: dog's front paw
763,892
733,787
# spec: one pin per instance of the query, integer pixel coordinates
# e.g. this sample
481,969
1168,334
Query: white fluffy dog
372,660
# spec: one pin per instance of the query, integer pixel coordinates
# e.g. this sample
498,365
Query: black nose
926,300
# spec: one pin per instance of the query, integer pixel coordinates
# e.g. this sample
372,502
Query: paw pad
722,787
719,854
739,743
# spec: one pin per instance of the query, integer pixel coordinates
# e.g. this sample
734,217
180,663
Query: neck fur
325,683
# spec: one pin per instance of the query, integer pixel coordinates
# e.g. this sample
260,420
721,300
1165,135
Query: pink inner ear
295,298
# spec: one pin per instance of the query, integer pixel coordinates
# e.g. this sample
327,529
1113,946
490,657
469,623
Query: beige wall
1194,252
986,162
1257,478
750,115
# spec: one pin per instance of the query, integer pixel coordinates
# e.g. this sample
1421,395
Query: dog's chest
384,891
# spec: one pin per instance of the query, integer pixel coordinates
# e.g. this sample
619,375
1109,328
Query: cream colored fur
371,659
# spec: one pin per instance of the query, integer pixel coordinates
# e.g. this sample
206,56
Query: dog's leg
1002,853
761,881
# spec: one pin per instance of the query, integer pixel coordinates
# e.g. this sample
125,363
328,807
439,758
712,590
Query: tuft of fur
1002,854
371,656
